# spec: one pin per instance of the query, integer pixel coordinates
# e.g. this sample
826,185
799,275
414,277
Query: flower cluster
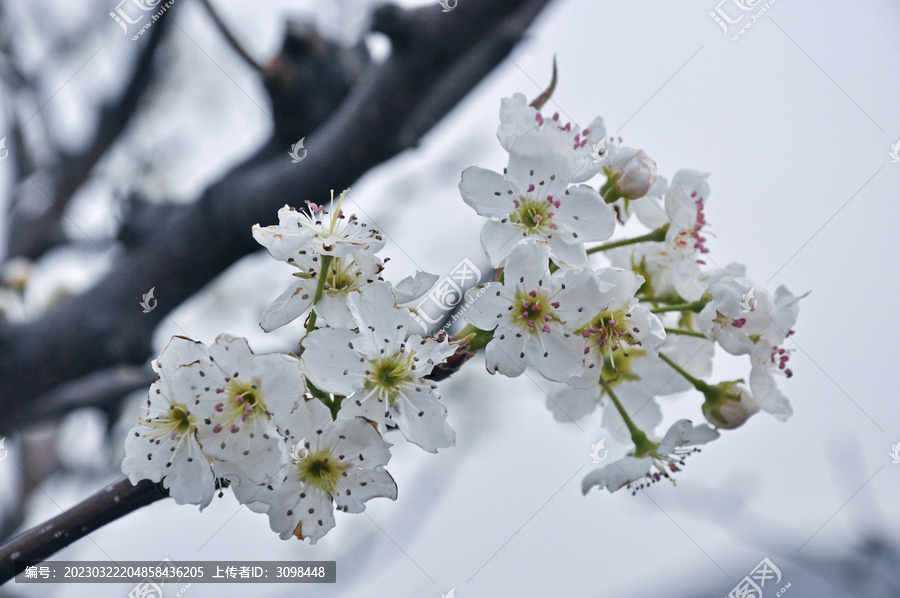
624,323
618,324
297,437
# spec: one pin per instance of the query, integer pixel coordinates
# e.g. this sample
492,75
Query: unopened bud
728,405
632,173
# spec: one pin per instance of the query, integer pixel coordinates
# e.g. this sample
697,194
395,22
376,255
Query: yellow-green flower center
176,423
321,470
243,402
533,310
341,276
532,216
388,375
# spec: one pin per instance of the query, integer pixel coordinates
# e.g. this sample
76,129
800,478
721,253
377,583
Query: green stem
320,289
657,235
695,306
685,332
642,445
698,384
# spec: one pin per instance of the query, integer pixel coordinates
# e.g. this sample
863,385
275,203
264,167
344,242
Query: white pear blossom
535,316
344,276
321,231
533,201
164,444
247,393
726,317
621,324
517,117
342,468
639,379
380,371
768,358
673,267
667,459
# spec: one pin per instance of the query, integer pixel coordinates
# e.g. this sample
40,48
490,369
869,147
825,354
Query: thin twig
229,37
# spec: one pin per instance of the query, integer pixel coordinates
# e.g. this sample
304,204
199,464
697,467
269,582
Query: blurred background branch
91,349
384,109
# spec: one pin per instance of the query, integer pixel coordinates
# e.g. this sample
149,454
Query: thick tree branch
104,327
38,543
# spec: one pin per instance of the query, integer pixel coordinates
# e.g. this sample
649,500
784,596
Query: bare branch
229,37
104,327
31,234
38,543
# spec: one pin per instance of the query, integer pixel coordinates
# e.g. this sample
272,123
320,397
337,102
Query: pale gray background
794,122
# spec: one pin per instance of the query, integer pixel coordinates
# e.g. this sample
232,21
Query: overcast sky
794,121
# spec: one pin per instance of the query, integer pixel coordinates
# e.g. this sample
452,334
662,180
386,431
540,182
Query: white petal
621,285
290,305
487,192
189,482
583,212
363,486
382,324
505,353
327,355
332,310
528,267
581,299
498,239
411,288
489,306
684,433
556,355
358,443
566,253
618,474
423,419
765,391
428,353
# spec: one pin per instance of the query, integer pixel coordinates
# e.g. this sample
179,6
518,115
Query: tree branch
38,543
229,37
390,109
33,233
